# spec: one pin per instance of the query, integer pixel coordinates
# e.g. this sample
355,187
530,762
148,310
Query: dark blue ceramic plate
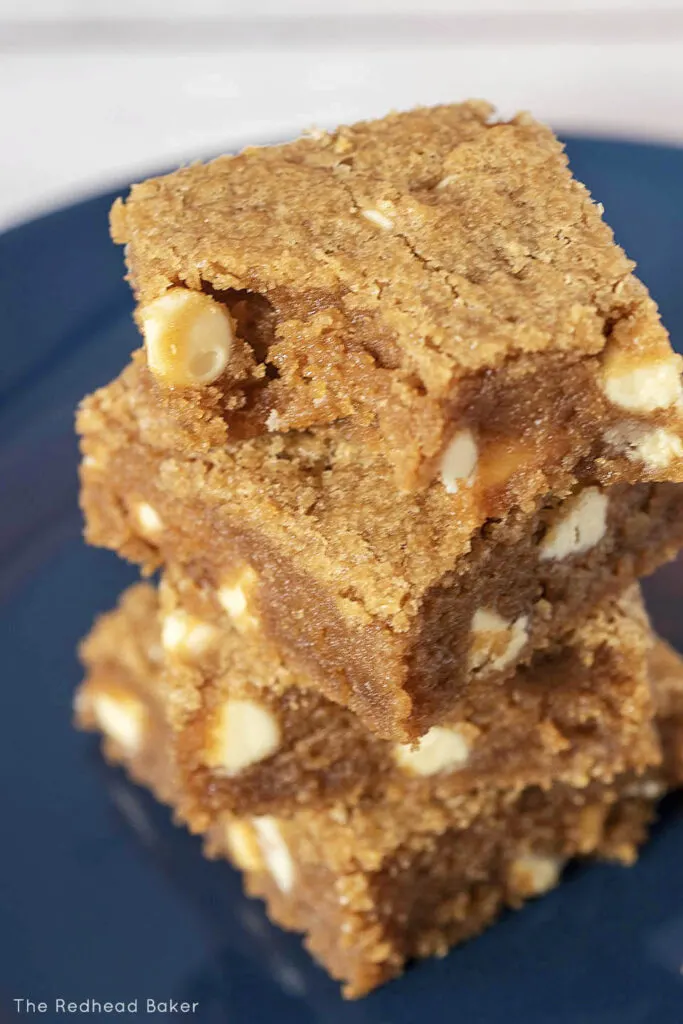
100,897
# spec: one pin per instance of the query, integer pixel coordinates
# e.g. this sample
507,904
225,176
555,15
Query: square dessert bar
374,881
398,604
365,912
249,736
435,279
254,736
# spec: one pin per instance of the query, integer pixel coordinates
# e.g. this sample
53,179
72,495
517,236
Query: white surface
138,9
93,94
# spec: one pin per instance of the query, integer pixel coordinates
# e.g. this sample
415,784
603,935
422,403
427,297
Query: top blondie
436,279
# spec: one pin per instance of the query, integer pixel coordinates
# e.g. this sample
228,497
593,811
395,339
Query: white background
94,92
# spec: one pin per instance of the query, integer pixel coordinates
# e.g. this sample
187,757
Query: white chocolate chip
242,734
440,750
188,337
242,844
645,789
121,717
496,642
581,524
234,599
459,461
640,386
149,520
487,620
519,634
658,448
273,420
533,874
378,218
184,634
655,447
448,180
275,852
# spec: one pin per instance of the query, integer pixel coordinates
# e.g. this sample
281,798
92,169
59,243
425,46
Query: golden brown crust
285,219
481,254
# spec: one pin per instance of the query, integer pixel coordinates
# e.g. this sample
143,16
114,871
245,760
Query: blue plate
100,897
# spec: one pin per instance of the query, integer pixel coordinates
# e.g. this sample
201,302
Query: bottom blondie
374,883
366,913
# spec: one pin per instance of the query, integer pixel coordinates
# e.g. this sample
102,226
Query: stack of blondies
404,433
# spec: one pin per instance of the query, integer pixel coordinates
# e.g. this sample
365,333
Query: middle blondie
397,604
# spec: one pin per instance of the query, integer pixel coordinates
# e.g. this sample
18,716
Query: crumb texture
395,601
375,273
246,733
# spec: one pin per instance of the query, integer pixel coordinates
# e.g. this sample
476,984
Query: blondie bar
436,279
366,910
397,603
249,736
375,881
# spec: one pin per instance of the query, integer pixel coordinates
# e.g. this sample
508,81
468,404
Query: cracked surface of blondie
432,272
